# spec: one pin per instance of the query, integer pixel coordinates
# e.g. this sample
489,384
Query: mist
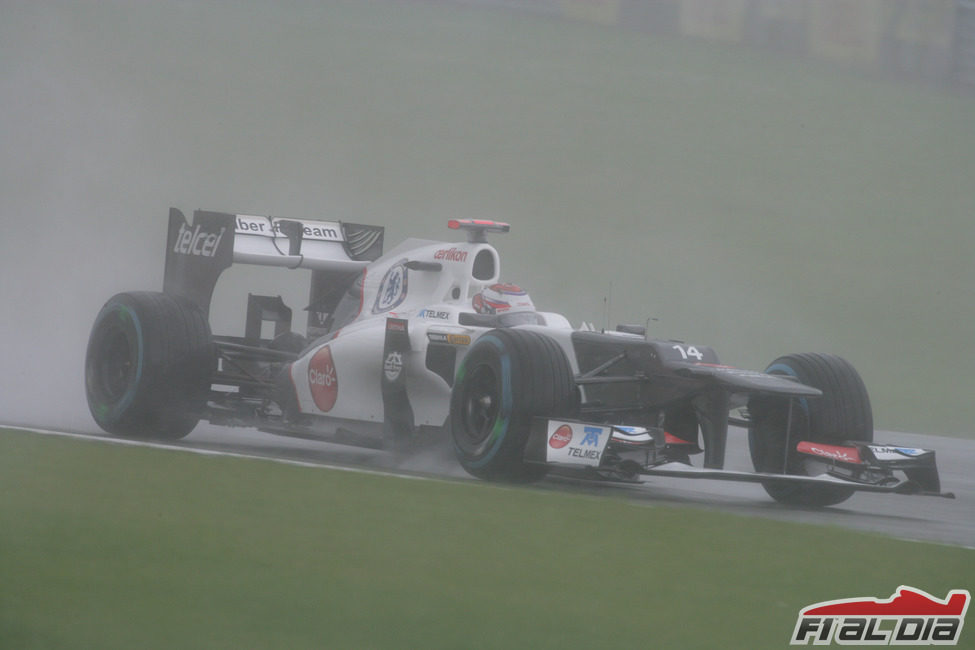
758,203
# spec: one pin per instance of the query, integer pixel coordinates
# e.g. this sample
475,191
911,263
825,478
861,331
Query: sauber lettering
271,227
324,233
255,226
197,241
450,255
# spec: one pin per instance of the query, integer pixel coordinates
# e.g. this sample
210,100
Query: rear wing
197,253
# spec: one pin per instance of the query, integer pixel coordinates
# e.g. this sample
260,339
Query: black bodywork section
398,412
668,384
196,255
681,394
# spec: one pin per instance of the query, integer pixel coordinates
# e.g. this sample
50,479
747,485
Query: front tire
148,366
507,378
842,413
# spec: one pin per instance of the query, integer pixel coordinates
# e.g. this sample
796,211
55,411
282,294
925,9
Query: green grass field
104,546
760,204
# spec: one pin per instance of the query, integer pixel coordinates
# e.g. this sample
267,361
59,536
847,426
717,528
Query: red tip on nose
453,224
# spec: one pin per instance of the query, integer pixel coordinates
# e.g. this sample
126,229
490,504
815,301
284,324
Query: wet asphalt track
948,521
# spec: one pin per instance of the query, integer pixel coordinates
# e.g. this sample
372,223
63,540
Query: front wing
623,453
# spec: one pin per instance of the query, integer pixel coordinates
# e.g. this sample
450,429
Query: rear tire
148,366
508,377
842,413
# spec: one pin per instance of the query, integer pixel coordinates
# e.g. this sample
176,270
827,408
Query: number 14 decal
689,352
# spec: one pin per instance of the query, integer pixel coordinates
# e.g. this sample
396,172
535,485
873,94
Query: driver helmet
503,299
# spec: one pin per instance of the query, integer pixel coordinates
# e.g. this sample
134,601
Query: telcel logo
197,242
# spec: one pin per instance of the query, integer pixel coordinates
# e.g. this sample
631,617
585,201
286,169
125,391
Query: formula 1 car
426,339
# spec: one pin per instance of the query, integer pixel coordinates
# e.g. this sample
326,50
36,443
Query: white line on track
213,452
922,519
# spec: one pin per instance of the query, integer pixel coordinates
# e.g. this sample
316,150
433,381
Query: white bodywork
347,378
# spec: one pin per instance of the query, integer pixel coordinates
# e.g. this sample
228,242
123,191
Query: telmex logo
909,617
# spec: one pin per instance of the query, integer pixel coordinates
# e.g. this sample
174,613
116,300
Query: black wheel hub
113,364
482,400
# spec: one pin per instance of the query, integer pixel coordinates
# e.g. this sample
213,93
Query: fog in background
760,204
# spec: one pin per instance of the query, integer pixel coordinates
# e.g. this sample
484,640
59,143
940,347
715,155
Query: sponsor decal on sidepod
392,289
393,365
323,380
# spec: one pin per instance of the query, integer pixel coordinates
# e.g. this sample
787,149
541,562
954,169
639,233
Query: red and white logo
909,617
451,255
323,380
845,454
561,437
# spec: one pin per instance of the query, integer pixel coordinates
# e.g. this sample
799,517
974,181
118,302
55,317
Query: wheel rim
114,365
482,400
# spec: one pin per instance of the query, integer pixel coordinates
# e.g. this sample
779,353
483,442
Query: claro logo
323,380
561,437
197,242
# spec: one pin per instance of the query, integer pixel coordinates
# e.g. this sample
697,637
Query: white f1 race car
426,339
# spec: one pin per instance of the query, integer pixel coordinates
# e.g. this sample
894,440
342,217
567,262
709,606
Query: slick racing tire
148,366
842,413
508,377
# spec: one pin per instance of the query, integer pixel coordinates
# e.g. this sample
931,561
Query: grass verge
118,547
